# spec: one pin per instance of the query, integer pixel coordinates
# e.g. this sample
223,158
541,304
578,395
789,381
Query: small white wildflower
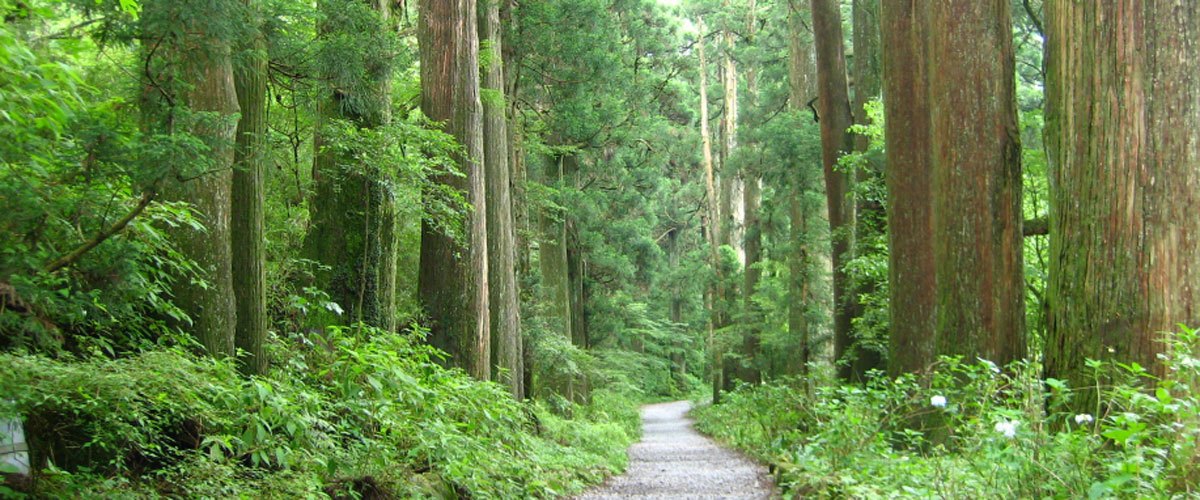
938,401
1084,419
1007,427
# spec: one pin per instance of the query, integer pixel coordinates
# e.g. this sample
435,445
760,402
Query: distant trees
1123,124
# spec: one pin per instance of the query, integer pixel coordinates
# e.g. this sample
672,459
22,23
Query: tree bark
976,181
503,296
194,73
1123,115
352,233
833,107
911,269
453,279
249,252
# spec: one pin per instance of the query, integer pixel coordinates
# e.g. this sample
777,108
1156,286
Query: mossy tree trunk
833,107
249,252
453,279
911,270
505,319
353,217
976,181
1123,124
189,86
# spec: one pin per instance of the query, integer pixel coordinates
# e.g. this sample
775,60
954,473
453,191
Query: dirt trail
674,461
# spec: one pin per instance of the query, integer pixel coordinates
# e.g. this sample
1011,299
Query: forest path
674,461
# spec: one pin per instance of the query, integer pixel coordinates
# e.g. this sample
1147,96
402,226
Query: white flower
1083,419
333,307
938,401
1007,427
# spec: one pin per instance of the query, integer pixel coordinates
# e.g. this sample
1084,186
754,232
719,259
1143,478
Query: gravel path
674,461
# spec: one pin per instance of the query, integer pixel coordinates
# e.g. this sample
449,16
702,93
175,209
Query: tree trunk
353,232
732,188
713,214
801,85
453,279
576,272
751,370
976,181
552,256
911,269
249,253
833,107
1123,117
503,296
196,71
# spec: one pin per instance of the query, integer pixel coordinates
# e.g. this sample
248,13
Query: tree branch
117,227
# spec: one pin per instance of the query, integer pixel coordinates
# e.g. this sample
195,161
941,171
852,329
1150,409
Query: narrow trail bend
674,461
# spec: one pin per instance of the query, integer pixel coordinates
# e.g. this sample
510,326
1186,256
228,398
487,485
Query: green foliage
72,163
868,269
355,406
972,430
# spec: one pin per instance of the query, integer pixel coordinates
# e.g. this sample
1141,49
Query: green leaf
1163,395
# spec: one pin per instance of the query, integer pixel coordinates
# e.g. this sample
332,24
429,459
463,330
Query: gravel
674,461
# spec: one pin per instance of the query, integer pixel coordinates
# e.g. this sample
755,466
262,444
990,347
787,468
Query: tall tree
752,236
912,283
249,252
352,233
713,211
189,86
505,316
869,212
1123,121
833,108
803,255
729,178
453,279
731,184
976,181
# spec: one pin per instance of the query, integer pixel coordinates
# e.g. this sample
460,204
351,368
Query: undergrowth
352,413
972,430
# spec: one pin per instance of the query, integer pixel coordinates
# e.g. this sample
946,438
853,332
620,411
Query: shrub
972,430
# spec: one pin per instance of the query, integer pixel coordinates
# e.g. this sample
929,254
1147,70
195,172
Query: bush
974,430
356,412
